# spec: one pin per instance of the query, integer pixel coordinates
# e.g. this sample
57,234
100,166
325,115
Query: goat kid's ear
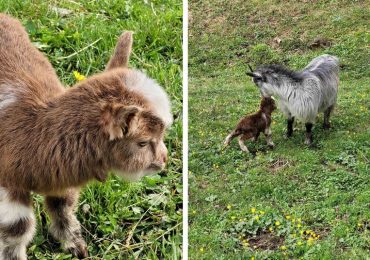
121,55
117,120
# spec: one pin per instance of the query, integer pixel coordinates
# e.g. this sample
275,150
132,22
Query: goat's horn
250,68
251,74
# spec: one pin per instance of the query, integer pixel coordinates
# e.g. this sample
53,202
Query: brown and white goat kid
252,125
54,140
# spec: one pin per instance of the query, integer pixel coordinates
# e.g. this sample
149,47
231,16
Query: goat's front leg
269,141
17,224
309,138
65,226
290,122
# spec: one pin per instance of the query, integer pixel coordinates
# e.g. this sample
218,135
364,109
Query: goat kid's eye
143,144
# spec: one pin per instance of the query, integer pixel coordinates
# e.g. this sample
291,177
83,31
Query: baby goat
251,126
54,140
302,94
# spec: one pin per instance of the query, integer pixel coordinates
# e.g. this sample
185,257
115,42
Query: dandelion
299,243
201,249
310,241
287,217
262,212
229,206
233,217
283,248
194,211
252,258
253,210
256,217
78,76
277,223
360,224
299,225
270,229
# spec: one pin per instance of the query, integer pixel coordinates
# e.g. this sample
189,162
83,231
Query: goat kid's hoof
79,250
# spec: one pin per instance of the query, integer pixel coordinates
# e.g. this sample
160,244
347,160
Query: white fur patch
7,96
11,211
137,81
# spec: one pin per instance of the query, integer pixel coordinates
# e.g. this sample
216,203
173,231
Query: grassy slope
325,189
138,220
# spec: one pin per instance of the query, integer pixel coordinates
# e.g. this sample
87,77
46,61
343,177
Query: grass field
126,220
293,202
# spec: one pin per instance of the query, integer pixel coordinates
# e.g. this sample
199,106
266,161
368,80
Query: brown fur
53,140
252,125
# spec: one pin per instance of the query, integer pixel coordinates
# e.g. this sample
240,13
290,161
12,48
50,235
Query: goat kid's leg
309,138
230,137
290,122
242,145
269,141
17,224
65,226
327,112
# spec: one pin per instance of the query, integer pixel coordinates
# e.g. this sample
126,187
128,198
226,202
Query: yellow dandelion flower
277,223
78,76
299,225
233,217
252,258
201,249
283,248
299,243
287,217
194,211
253,210
262,212
256,217
270,229
359,224
229,206
299,219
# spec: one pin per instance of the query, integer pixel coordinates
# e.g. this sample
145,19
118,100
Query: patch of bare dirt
266,241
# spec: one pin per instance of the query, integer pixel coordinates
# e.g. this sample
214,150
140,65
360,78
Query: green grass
126,220
235,198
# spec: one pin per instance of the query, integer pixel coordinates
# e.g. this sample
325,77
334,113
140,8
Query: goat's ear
117,120
121,55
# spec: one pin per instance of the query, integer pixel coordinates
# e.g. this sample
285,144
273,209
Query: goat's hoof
308,142
79,250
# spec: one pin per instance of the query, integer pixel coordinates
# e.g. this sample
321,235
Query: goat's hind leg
65,226
17,224
327,112
230,137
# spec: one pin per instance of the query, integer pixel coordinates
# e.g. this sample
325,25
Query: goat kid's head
265,78
268,105
135,132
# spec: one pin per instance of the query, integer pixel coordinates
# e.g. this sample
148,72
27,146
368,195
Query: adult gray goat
301,94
